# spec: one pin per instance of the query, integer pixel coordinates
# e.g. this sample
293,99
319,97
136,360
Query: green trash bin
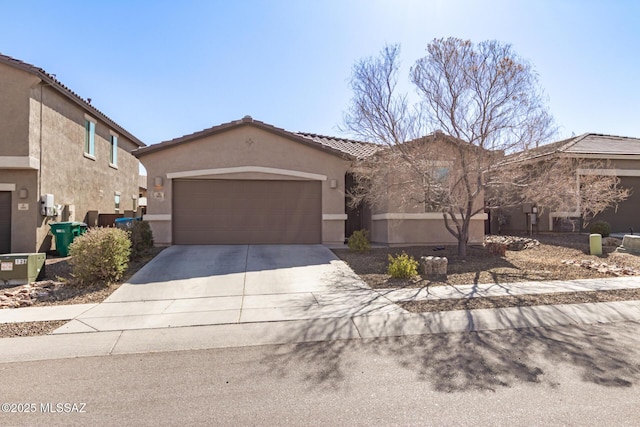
65,232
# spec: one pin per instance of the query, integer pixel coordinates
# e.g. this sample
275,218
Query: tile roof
593,144
55,83
357,149
337,146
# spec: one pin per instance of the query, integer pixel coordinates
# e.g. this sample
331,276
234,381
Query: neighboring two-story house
53,142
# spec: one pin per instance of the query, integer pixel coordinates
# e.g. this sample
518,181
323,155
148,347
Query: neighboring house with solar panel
57,148
622,155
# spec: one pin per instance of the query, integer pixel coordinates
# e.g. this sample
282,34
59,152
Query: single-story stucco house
620,155
248,182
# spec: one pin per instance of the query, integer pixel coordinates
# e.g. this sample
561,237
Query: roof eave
247,121
68,93
85,105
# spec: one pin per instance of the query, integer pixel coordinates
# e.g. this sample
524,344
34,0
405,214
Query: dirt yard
542,262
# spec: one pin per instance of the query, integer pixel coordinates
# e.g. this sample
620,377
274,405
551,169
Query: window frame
90,137
113,151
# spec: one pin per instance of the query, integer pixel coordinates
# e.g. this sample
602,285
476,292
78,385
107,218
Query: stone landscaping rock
513,243
603,267
434,267
630,244
26,295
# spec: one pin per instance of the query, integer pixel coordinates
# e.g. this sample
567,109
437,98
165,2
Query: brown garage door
5,222
207,212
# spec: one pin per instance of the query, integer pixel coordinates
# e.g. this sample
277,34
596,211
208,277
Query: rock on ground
513,243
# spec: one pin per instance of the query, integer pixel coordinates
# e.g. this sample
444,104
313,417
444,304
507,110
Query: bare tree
569,186
484,99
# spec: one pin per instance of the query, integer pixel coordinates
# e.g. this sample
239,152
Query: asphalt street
568,375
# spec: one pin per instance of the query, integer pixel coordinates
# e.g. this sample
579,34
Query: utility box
20,269
595,244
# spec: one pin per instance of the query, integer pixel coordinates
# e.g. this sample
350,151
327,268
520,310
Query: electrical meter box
20,269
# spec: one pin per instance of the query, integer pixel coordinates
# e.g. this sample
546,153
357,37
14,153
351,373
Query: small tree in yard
477,103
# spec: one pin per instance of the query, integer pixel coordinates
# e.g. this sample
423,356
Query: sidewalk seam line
88,309
86,324
115,343
244,283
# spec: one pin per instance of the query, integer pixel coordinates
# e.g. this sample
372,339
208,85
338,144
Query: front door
358,217
5,222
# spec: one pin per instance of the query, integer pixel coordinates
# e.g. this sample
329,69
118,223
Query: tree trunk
462,248
463,238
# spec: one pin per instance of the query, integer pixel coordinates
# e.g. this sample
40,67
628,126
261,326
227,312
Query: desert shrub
600,227
402,266
100,254
359,241
141,238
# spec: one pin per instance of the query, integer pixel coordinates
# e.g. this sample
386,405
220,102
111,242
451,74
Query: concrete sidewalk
510,289
338,303
311,330
298,317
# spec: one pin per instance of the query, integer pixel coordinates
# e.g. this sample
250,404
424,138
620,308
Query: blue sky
163,69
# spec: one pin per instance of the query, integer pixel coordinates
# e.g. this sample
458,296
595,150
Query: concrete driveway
209,285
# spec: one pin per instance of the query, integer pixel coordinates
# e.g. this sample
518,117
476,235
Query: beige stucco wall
403,232
401,218
15,86
23,222
73,178
245,146
37,121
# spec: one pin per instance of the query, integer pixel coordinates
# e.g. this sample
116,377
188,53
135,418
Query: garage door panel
243,212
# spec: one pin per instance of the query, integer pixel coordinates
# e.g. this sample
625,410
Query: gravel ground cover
539,262
550,257
521,300
59,288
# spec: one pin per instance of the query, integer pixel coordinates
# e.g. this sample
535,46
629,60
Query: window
113,155
117,202
436,187
89,137
441,174
135,203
